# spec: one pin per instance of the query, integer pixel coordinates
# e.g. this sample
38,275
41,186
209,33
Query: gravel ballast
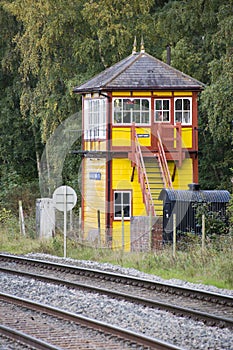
180,331
129,272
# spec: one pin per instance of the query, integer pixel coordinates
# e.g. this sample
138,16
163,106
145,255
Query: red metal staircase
163,163
142,177
152,168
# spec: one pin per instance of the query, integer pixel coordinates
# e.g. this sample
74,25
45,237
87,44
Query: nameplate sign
94,176
143,136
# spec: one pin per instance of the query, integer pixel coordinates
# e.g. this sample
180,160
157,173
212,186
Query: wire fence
145,233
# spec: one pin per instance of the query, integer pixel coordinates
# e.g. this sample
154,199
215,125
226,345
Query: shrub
215,222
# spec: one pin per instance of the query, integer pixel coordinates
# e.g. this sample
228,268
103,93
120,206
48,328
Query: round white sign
64,198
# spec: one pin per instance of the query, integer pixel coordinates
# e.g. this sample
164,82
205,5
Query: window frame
183,111
162,110
95,116
131,112
122,204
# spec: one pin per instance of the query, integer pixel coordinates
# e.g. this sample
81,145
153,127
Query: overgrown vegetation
212,266
47,48
216,222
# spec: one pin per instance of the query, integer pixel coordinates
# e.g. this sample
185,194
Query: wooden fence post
203,233
150,230
21,219
122,229
80,223
174,236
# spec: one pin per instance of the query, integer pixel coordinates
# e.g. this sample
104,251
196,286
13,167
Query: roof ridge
136,55
140,70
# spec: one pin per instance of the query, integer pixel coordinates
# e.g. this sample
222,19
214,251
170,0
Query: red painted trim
195,122
83,161
195,169
195,137
172,109
194,108
111,201
121,149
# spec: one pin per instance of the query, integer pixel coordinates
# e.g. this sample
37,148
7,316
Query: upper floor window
95,118
122,203
131,110
183,110
162,110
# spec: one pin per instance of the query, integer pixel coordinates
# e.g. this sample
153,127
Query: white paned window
131,110
162,110
183,110
122,202
94,119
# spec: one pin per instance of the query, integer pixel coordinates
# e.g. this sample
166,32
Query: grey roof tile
140,71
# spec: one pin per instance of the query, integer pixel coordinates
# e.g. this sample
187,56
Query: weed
213,266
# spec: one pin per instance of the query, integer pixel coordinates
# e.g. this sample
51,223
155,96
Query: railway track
45,327
211,308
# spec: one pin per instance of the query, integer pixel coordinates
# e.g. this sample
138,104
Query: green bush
230,213
14,188
215,222
5,215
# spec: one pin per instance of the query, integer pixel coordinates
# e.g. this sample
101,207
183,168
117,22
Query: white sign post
64,198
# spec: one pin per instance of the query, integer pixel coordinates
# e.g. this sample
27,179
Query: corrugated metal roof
215,196
140,71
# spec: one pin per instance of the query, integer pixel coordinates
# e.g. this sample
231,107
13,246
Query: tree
46,45
216,100
200,34
112,29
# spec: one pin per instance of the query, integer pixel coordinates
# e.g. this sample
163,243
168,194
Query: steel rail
210,319
27,339
126,279
138,338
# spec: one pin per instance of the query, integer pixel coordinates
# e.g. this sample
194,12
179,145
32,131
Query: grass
213,266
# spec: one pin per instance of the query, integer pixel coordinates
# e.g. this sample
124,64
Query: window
183,110
122,201
95,119
162,110
131,110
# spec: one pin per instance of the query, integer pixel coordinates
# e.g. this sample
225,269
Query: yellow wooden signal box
140,122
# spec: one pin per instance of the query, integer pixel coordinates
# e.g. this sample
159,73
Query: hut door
167,221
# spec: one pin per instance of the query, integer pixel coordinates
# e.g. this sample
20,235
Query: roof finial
134,46
142,45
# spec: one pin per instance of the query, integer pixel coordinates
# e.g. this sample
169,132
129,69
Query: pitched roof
140,71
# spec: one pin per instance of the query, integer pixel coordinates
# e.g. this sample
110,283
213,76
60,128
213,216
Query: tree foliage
200,34
47,47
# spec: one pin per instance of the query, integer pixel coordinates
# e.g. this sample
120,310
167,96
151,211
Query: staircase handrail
138,158
163,163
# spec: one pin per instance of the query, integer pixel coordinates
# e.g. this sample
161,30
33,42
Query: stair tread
153,172
155,181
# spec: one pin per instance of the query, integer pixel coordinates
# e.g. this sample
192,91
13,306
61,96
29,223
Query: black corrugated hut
182,203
